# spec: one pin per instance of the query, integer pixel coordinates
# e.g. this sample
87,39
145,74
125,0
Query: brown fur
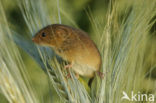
73,45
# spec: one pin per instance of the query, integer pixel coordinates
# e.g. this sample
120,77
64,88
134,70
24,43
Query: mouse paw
68,66
68,76
100,74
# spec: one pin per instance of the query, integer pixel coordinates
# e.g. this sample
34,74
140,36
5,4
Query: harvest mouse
73,45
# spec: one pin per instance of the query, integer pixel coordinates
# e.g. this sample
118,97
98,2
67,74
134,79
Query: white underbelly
83,69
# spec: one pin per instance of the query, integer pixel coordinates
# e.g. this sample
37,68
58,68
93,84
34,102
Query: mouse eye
43,34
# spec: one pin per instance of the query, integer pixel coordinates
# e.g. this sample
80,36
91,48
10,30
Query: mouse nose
33,39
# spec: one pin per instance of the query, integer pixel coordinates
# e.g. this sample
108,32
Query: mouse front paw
68,66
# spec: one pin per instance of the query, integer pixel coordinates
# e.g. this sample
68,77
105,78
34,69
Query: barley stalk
121,42
14,82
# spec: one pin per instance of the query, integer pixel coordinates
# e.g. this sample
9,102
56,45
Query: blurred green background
77,10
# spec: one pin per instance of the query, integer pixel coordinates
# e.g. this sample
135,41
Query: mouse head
52,35
44,36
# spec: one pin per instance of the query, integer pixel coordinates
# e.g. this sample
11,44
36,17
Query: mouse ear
61,32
